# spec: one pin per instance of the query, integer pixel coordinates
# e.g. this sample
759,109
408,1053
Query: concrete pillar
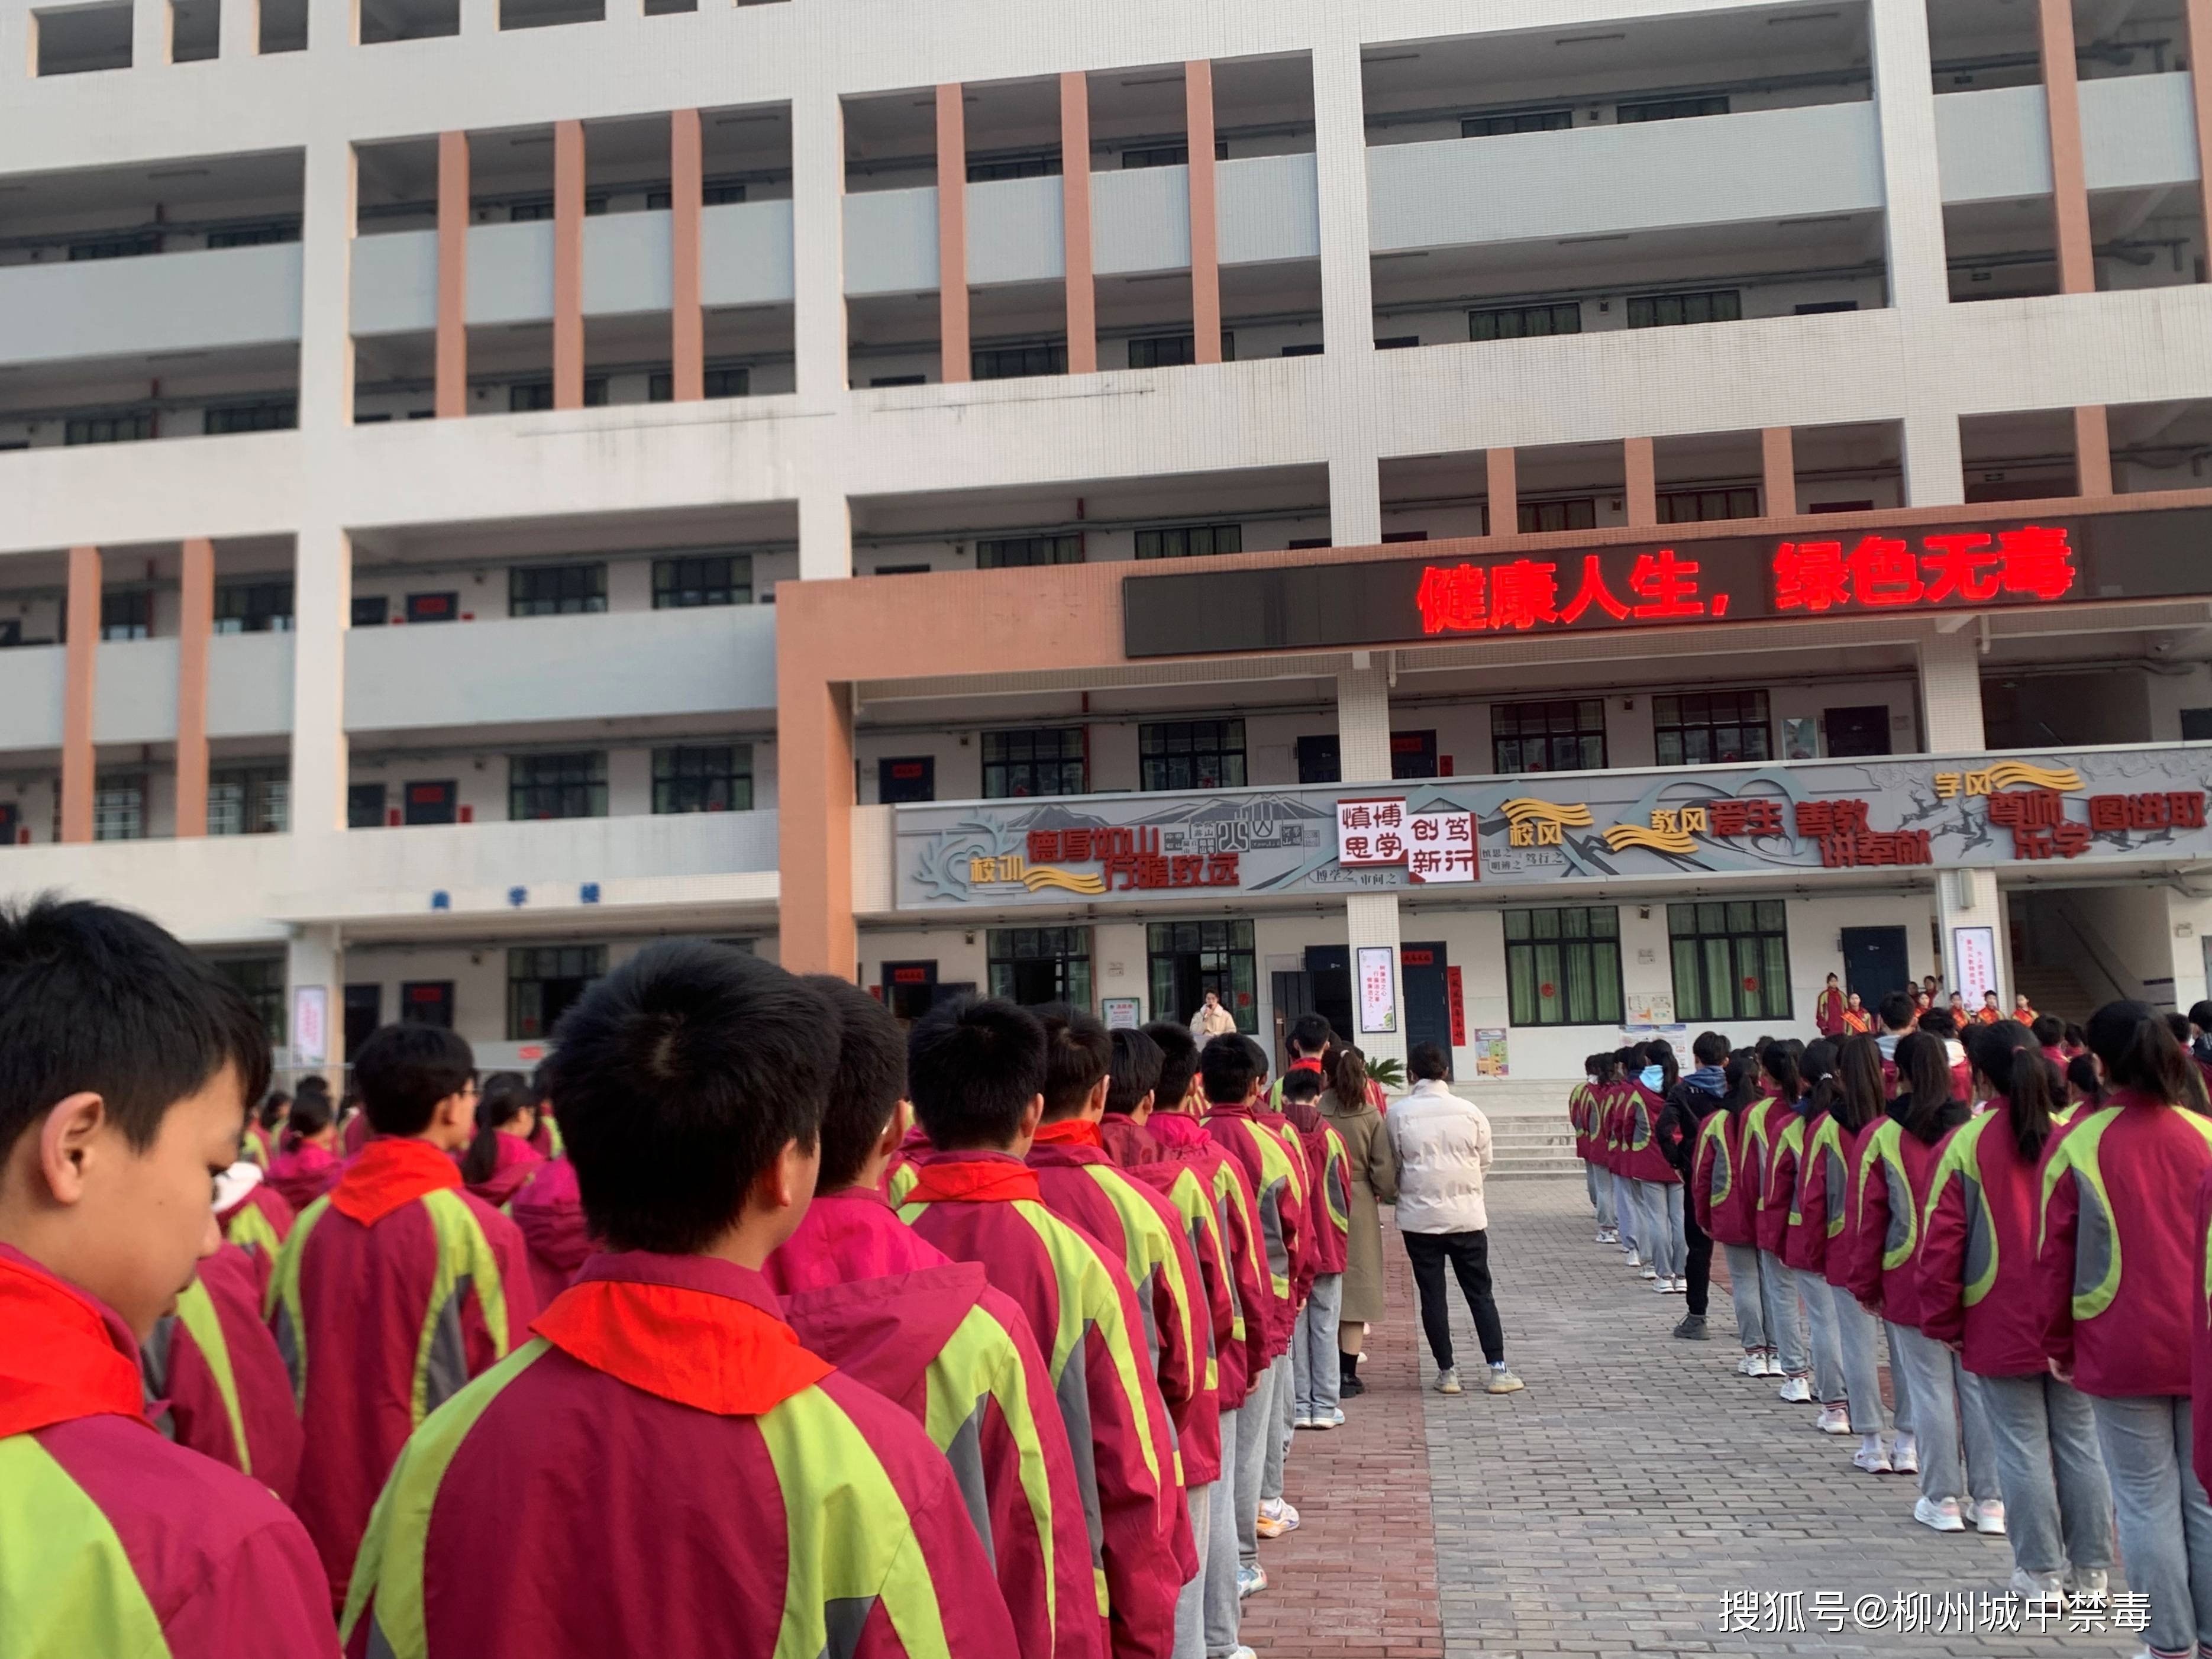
314,989
149,34
1363,733
687,325
952,234
568,264
322,606
1641,487
1951,689
79,673
2093,451
825,532
452,371
1075,221
196,624
1502,480
1347,365
238,29
2200,51
815,800
2069,189
1778,461
1972,898
817,245
1205,220
327,233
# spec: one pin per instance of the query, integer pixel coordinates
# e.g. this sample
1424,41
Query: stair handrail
2125,988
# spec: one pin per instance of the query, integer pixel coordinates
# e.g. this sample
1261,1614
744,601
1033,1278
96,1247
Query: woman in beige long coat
1374,1171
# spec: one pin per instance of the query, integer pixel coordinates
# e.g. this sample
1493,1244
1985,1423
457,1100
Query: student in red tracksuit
548,1212
501,1161
1977,1295
2118,1266
252,1216
1780,1087
214,1380
306,1165
1658,1188
1725,1193
1897,1173
1614,1103
128,1064
1791,1226
1852,1104
976,1071
2201,1323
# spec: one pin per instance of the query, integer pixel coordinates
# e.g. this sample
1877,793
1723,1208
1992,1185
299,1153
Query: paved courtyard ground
1617,1505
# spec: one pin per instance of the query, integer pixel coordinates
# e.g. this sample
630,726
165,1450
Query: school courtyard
1638,1498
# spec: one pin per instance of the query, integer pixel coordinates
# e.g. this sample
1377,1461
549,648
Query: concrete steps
1528,1129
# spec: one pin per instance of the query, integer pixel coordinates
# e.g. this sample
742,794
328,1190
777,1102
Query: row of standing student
2038,1264
1037,1408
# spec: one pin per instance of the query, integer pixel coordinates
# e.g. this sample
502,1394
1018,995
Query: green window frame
1731,959
1563,966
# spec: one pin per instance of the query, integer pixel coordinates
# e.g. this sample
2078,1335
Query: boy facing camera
125,1067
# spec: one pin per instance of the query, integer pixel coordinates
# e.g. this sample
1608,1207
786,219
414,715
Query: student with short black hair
888,1309
1694,1098
581,1493
2119,1266
1133,1081
1898,1013
126,1065
976,1073
395,1287
1316,1373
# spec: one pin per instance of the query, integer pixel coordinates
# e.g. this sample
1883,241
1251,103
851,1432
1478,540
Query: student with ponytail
1658,1188
1616,1100
1851,1105
1723,1192
306,1164
500,1162
1783,1087
1794,1215
2119,1268
1976,1295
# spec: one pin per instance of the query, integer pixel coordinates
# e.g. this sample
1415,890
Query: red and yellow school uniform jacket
214,1380
1763,1120
1127,1142
1143,1240
1578,1100
901,1173
114,1540
889,1309
986,1207
1642,1158
1186,1144
1329,1213
1272,1174
1817,1210
1777,1188
1307,1258
1897,1172
548,1212
518,1163
2118,1256
1190,1201
664,1470
256,1146
1618,1118
258,1223
391,1293
354,1135
1978,1250
2200,1302
303,1174
1719,1189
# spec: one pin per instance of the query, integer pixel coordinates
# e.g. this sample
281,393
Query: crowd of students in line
2022,1213
751,1324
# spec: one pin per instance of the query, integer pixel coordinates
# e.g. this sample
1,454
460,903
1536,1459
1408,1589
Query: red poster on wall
1458,1007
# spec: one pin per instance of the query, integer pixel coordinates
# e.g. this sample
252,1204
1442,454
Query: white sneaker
1871,1455
1941,1515
1648,1272
1447,1380
1989,1518
1634,1260
1797,1391
1905,1459
1323,1423
1681,1286
1660,1284
1336,1417
1836,1420
2047,1589
1304,1422
1753,1364
1771,1367
2091,1585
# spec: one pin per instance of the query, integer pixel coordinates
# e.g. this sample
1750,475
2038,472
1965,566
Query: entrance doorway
1293,1001
1422,971
1875,963
364,1008
909,989
1035,966
1187,959
1857,730
1329,966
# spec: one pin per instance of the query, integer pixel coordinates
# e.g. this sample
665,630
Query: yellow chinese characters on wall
1530,823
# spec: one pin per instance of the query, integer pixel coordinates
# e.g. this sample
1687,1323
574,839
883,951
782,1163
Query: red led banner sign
1682,583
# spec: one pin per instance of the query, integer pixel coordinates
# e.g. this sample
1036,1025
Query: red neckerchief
697,1347
63,1359
1069,1132
390,1171
986,1180
1306,1063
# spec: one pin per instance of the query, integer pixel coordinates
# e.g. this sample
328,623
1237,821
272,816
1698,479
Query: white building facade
487,483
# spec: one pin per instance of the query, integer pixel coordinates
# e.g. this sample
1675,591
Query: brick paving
1610,1508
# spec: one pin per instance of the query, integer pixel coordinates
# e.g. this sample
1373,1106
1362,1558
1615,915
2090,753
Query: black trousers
1469,1255
1700,1258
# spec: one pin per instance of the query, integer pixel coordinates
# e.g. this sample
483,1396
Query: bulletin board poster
1378,989
1490,1054
1974,963
1122,1014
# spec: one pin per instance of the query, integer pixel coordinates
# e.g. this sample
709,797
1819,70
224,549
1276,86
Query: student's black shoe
1350,1387
1692,1328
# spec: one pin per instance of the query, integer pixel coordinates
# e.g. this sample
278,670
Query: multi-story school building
1501,523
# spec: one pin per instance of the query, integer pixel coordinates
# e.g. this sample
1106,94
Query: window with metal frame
1566,735
118,809
1191,754
365,805
1167,155
543,981
527,396
1525,322
704,777
1175,351
1186,959
285,230
734,381
1190,541
249,800
1671,109
129,246
1014,362
687,581
1684,306
1563,966
260,981
1710,728
371,610
1731,959
1034,966
268,415
427,1002
1047,760
565,786
1041,165
123,427
127,616
556,590
1578,513
254,607
1696,505
1519,120
1015,552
